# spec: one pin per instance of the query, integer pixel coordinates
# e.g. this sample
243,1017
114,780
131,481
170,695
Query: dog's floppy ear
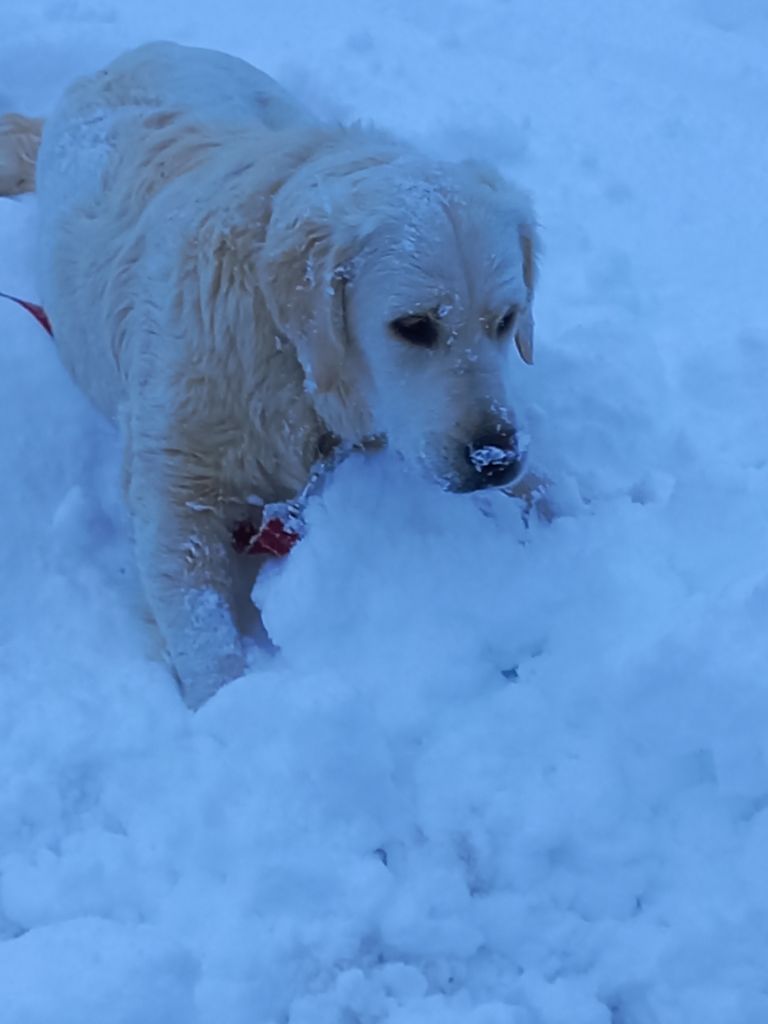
524,329
518,203
303,268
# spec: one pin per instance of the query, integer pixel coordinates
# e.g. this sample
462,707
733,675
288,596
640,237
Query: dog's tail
19,143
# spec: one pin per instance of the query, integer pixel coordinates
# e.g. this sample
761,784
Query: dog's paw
200,679
207,651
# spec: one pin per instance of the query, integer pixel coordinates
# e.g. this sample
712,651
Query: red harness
281,523
32,307
273,537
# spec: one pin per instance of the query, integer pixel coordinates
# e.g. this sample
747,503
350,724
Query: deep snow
496,775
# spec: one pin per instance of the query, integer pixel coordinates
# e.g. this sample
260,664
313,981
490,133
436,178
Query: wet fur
211,253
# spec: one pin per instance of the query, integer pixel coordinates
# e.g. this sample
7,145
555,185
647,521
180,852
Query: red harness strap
31,307
271,538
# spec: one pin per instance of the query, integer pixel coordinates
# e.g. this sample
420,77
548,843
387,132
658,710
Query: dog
241,286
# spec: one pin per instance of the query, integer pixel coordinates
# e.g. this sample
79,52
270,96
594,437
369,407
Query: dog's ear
517,203
303,268
524,330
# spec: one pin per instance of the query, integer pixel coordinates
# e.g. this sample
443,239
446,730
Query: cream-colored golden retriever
237,283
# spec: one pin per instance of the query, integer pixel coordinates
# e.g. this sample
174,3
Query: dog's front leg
184,554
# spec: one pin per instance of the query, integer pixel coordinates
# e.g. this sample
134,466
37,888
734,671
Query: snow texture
495,774
491,455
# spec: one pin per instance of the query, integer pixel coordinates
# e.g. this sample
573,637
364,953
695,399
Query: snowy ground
495,775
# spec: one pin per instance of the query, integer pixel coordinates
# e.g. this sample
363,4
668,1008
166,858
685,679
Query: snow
496,774
491,455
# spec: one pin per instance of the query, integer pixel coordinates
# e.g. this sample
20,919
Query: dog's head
405,286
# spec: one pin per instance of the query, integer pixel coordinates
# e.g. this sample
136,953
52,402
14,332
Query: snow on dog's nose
495,459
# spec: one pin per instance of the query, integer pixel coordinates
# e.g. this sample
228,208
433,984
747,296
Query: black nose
494,458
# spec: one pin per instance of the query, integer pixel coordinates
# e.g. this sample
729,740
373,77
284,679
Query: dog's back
116,138
215,88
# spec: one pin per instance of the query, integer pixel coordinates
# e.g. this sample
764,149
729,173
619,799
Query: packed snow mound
500,771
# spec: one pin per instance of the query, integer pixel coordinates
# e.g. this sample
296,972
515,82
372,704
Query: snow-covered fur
222,272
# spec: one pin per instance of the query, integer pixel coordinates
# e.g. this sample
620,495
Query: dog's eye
504,324
416,330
